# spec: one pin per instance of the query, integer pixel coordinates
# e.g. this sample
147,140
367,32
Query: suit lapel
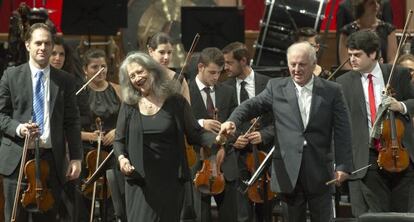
259,84
53,89
27,81
359,95
289,92
219,99
316,98
197,100
385,73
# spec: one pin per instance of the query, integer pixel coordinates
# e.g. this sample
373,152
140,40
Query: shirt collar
308,86
376,72
34,70
249,79
201,85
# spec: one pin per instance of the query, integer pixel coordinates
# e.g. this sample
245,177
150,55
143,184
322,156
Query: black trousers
319,204
9,189
382,191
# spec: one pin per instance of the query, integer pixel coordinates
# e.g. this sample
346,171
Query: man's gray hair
304,47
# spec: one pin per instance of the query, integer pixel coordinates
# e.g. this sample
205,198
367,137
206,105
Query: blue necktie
38,100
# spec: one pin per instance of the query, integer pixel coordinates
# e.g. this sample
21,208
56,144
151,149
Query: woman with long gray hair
149,140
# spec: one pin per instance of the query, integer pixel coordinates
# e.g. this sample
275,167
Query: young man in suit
38,100
209,96
303,156
246,84
375,189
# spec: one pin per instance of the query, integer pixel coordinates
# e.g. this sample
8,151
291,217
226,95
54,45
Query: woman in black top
149,141
366,12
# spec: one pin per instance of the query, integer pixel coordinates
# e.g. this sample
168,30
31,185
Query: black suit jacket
266,126
328,118
226,101
16,94
354,94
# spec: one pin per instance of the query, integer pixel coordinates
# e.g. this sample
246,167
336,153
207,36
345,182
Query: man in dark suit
309,113
374,189
209,96
246,84
37,92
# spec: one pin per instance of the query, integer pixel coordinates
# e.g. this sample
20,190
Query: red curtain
7,7
254,10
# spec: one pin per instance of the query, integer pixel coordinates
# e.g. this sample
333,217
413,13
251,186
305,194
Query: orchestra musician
376,190
149,140
209,97
160,49
60,121
366,19
247,83
103,99
309,114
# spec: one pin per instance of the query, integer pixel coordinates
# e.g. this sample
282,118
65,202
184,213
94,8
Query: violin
392,156
210,180
37,197
190,153
92,162
93,159
260,190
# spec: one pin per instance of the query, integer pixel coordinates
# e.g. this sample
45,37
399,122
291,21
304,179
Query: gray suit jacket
226,101
329,118
354,94
16,93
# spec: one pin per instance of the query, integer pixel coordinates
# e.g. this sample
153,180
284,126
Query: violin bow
339,68
252,126
189,54
90,80
403,39
352,173
20,177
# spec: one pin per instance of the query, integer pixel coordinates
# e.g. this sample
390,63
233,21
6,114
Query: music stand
93,17
217,26
100,170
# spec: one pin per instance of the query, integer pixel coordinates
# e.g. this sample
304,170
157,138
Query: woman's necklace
148,107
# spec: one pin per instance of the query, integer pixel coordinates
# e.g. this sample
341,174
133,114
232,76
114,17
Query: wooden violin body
190,153
209,180
37,196
393,157
91,158
256,192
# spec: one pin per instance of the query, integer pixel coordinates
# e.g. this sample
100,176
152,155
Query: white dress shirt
304,95
45,141
201,87
249,86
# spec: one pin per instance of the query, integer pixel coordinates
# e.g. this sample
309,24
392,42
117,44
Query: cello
260,190
392,156
210,180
